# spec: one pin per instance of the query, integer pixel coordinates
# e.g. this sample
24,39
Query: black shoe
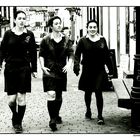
18,129
100,121
58,120
88,115
52,125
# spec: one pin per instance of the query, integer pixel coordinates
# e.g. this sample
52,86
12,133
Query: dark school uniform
94,57
19,53
55,56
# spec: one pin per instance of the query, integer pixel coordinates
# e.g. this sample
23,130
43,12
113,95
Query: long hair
18,12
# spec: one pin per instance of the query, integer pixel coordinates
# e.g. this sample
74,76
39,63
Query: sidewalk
117,120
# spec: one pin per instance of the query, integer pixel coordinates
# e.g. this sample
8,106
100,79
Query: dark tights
54,106
99,101
88,100
58,101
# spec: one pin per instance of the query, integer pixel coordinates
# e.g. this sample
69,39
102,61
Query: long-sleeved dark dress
19,53
94,57
55,56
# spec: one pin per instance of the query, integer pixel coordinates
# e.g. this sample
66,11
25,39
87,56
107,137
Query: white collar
61,35
14,30
98,37
57,39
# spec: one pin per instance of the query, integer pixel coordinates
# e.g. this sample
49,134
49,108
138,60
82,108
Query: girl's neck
56,34
94,38
18,30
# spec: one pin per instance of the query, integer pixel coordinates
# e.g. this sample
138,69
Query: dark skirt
17,79
55,83
91,79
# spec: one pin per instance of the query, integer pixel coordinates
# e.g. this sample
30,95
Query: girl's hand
34,74
66,68
46,70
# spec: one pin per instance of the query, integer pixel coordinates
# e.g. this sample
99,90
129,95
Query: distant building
4,19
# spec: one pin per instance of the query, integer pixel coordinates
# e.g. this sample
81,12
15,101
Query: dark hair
18,12
65,28
50,22
93,20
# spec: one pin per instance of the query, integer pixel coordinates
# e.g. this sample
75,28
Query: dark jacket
95,55
19,50
55,54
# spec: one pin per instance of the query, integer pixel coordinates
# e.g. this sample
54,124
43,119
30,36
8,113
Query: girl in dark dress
95,55
55,55
18,50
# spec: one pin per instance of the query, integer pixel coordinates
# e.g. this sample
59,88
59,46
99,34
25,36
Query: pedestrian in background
56,56
66,31
18,50
95,55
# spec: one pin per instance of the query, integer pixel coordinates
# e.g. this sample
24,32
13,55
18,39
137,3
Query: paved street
117,120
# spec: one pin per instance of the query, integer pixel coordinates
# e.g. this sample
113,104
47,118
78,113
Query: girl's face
57,27
20,20
92,28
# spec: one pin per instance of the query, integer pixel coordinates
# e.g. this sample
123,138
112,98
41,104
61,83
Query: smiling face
56,26
92,28
20,20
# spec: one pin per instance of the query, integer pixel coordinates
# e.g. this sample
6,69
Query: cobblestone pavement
117,120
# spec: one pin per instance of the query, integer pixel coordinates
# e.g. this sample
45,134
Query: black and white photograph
69,69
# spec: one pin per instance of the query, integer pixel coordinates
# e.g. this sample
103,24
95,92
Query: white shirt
96,38
57,39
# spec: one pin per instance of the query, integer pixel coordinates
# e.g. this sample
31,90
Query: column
132,40
135,93
122,30
113,29
11,17
105,25
84,20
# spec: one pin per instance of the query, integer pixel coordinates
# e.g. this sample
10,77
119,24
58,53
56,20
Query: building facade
4,19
